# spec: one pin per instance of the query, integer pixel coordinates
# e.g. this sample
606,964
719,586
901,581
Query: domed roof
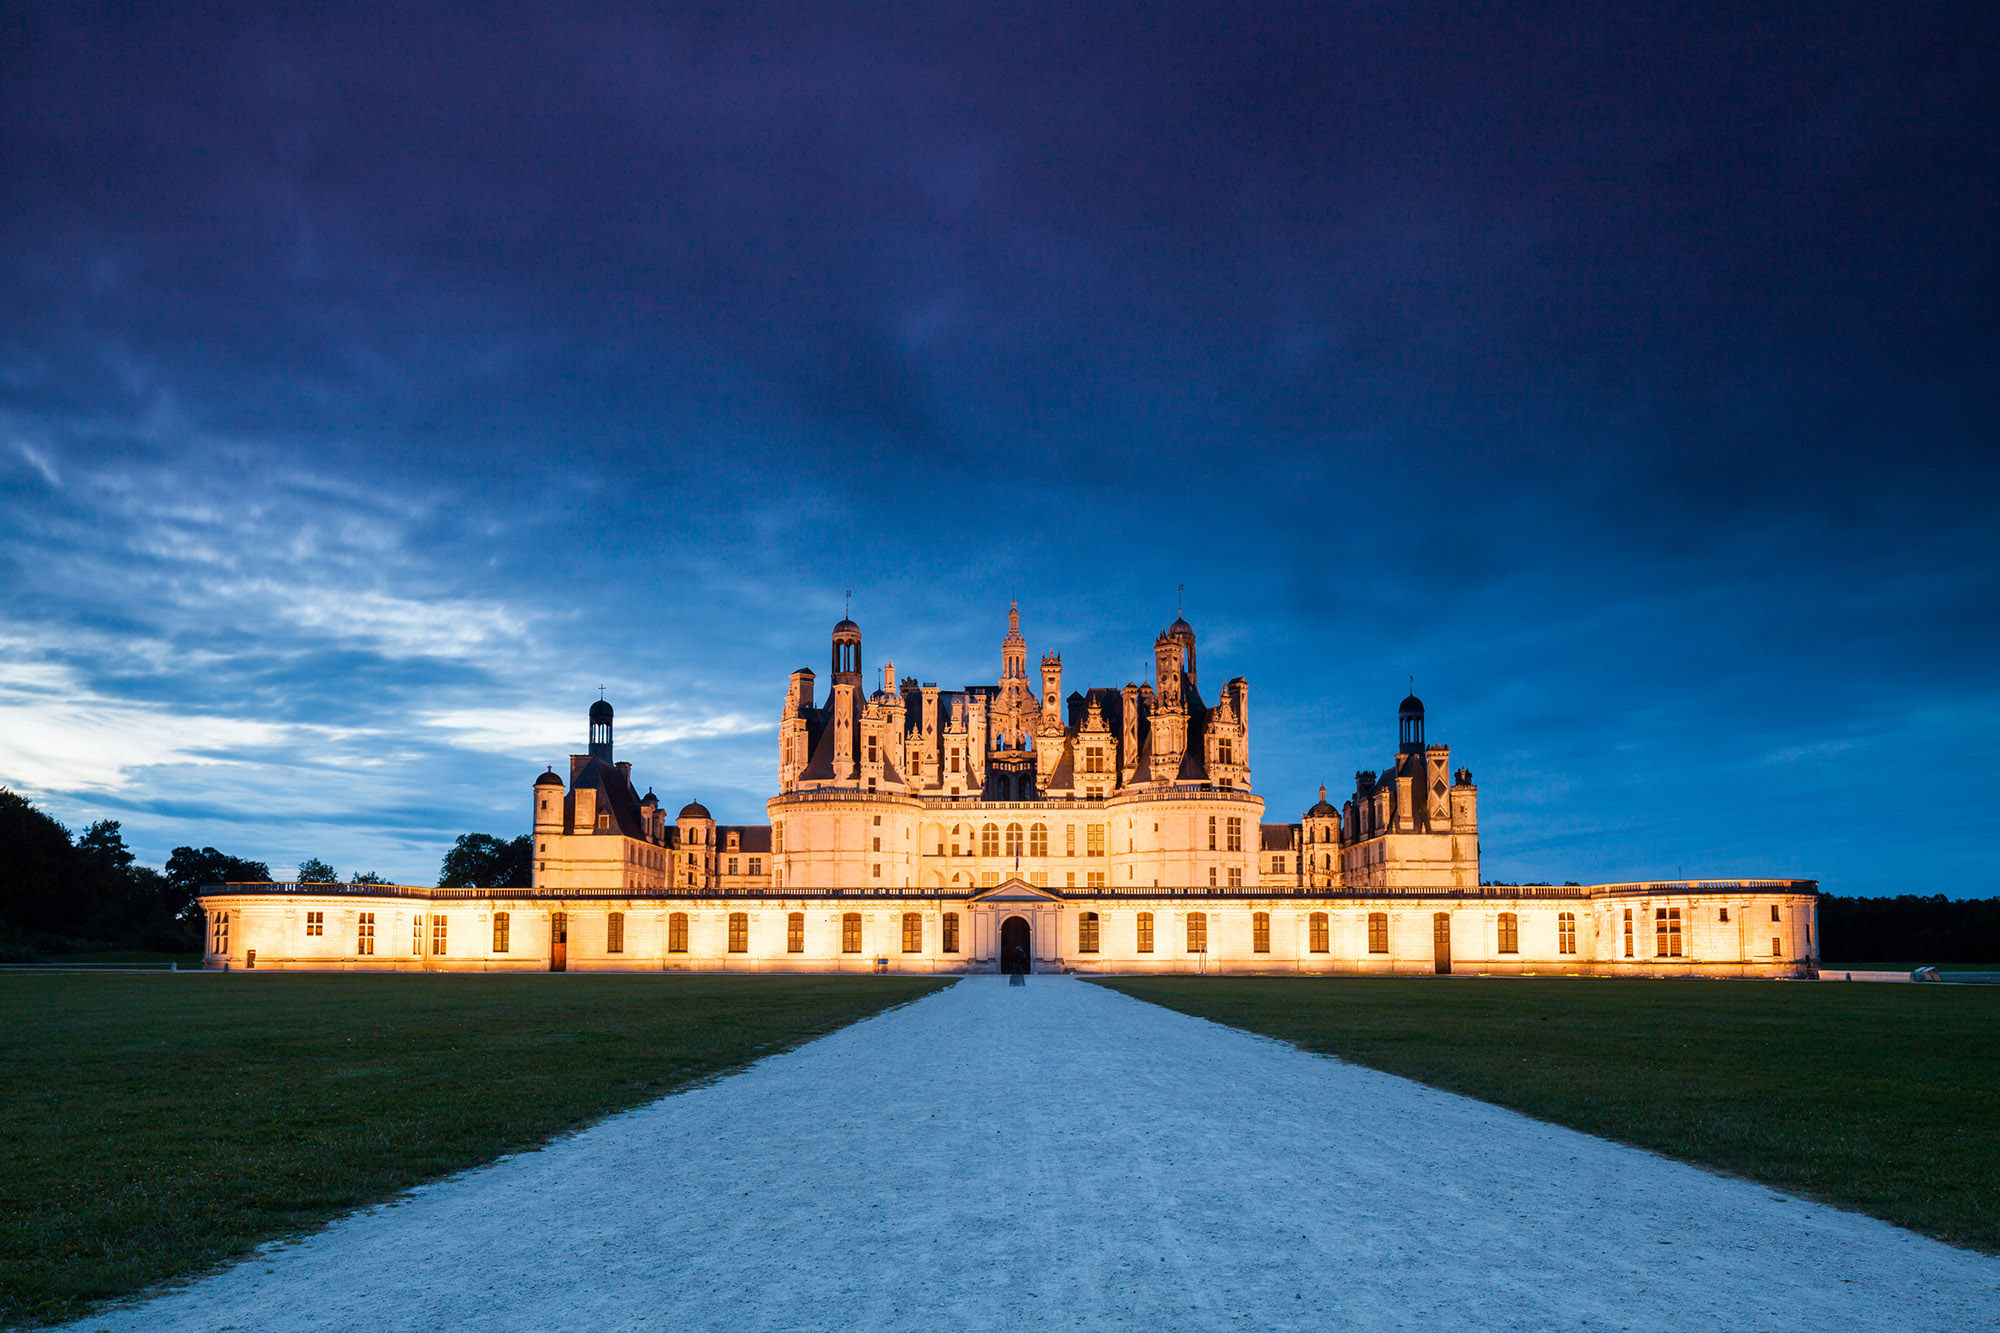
1411,706
649,798
695,810
549,779
600,711
845,624
1322,810
1180,626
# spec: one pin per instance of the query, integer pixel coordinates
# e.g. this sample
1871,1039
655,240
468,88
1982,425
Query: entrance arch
1017,948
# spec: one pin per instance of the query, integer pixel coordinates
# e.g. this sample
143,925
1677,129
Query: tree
482,861
36,868
312,870
369,877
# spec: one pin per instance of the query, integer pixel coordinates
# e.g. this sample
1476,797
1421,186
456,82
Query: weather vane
1179,590
848,609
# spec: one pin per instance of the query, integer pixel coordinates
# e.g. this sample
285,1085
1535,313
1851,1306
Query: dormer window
604,821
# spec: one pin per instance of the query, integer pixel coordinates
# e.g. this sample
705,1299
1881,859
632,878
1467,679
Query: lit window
614,933
1038,839
502,932
1086,933
1093,759
1378,932
1093,840
1777,947
1319,933
850,933
1260,932
677,933
315,923
1069,840
437,933
1667,932
795,933
1235,833
1145,932
1236,877
913,933
989,840
878,868
1211,833
1510,933
220,932
417,933
739,932
364,943
988,878
1094,880
1211,877
1566,933
1628,932
950,944
1014,844
1039,878
1197,932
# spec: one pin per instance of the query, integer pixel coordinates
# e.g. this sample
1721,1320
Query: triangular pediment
1015,890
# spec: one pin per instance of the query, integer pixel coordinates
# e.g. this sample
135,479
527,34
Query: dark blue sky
374,387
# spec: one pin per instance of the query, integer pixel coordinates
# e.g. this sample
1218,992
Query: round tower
1410,726
847,653
600,731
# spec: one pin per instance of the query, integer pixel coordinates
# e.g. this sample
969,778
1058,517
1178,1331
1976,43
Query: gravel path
993,1157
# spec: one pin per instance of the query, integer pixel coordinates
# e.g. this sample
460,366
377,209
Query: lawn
1881,1098
154,1125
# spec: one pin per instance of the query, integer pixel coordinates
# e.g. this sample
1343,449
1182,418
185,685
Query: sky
378,383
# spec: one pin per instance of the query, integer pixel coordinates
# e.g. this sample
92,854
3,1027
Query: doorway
558,941
1017,952
1441,942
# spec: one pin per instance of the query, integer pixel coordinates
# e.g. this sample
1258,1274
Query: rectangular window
1667,931
1070,880
315,923
1510,933
795,933
1069,840
1094,880
1093,759
878,845
756,865
913,933
1566,933
1093,835
219,933
677,933
871,749
988,878
1378,932
1260,932
364,943
1211,833
1145,932
1236,877
954,761
778,838
437,933
1777,947
877,865
1277,864
502,931
614,933
1197,932
1628,932
417,933
1235,828
1211,877
732,865
1722,914
739,932
850,933
1086,933
1094,794
1774,911
1320,942
1225,751
950,944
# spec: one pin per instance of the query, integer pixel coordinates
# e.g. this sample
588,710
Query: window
913,933
954,759
677,933
1225,751
1069,840
1260,932
1093,759
1510,933
1211,833
614,933
1777,947
1093,840
1086,933
756,865
364,942
502,931
739,932
1094,794
1038,839
1094,880
315,923
871,748
1013,840
778,838
604,821
1277,864
878,869
878,845
1628,932
1319,943
1145,932
1197,932
1236,877
1211,877
1722,914
732,865
988,878
219,933
1774,911
795,933
417,934
1039,878
437,932
950,944
1566,933
850,933
989,840
1667,932
1235,827
1378,932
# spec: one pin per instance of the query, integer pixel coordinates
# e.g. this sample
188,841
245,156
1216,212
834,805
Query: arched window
989,840
1378,932
1197,932
795,933
739,932
913,933
1145,932
1013,840
950,944
1510,933
500,932
614,933
850,933
1320,942
1086,933
1566,933
1260,932
677,933
1038,839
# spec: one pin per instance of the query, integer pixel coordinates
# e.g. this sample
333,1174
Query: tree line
1910,928
63,893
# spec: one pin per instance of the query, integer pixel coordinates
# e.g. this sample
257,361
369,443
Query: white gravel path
1057,1154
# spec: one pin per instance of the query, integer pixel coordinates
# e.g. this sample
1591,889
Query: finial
847,607
1180,591
600,694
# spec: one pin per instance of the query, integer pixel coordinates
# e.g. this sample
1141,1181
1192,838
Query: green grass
153,1126
1876,1097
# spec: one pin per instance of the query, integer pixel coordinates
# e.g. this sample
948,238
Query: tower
1013,648
1410,726
600,731
1051,690
847,653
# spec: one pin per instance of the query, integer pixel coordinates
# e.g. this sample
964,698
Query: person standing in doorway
1019,976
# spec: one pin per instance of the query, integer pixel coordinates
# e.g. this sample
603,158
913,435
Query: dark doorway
1016,947
558,942
1441,942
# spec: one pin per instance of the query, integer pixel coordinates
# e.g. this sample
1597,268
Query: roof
1411,706
749,837
600,711
695,810
549,779
845,624
1278,837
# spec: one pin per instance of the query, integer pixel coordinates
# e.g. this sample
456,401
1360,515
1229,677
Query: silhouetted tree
312,870
370,877
482,861
1911,928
